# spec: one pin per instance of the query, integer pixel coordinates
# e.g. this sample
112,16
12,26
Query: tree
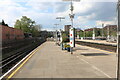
81,34
65,37
35,30
3,23
24,24
28,26
88,33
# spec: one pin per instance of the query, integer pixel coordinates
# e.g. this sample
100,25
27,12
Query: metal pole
61,31
118,41
108,29
72,13
71,16
94,33
84,34
56,32
102,30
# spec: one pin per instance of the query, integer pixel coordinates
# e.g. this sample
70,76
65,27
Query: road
86,62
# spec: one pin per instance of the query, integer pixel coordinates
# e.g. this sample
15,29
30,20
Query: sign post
72,39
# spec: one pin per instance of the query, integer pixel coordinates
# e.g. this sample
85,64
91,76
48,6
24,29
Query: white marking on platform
96,68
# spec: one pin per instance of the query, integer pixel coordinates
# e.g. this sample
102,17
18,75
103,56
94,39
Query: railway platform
49,61
104,42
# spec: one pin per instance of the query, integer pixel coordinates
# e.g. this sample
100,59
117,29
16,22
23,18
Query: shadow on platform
94,54
75,49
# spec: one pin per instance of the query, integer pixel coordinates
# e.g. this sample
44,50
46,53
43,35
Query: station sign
72,37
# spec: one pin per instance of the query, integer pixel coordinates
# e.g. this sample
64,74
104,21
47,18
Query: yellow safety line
22,65
100,49
104,50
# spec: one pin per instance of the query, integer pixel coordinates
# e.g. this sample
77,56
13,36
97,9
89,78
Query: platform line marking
103,50
95,68
16,65
22,64
98,49
29,56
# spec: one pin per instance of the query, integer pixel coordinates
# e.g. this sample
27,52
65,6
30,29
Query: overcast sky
87,14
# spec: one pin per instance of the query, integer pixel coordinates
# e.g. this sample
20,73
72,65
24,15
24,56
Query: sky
88,13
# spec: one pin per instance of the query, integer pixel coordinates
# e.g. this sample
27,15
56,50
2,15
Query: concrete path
51,62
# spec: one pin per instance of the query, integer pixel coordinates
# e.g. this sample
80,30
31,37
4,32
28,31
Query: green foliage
88,33
98,32
65,37
28,25
113,32
81,34
3,23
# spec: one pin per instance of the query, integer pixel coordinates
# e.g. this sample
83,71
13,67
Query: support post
118,41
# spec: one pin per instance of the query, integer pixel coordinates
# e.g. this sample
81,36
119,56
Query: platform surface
98,41
86,62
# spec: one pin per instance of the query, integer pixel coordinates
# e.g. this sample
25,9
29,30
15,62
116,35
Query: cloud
96,13
45,12
10,11
99,23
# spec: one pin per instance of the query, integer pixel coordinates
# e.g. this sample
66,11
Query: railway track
9,62
111,48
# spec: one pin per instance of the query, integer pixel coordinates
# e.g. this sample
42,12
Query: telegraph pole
118,41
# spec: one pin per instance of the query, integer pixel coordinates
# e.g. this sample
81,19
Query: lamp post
94,33
60,18
102,30
56,36
108,33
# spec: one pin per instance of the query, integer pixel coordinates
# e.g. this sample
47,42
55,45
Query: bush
65,38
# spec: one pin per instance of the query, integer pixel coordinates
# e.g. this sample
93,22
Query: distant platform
99,42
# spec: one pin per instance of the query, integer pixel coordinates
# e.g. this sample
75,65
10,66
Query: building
111,27
89,32
67,28
78,32
110,31
10,33
91,29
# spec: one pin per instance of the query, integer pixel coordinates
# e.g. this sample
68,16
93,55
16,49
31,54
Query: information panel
72,37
